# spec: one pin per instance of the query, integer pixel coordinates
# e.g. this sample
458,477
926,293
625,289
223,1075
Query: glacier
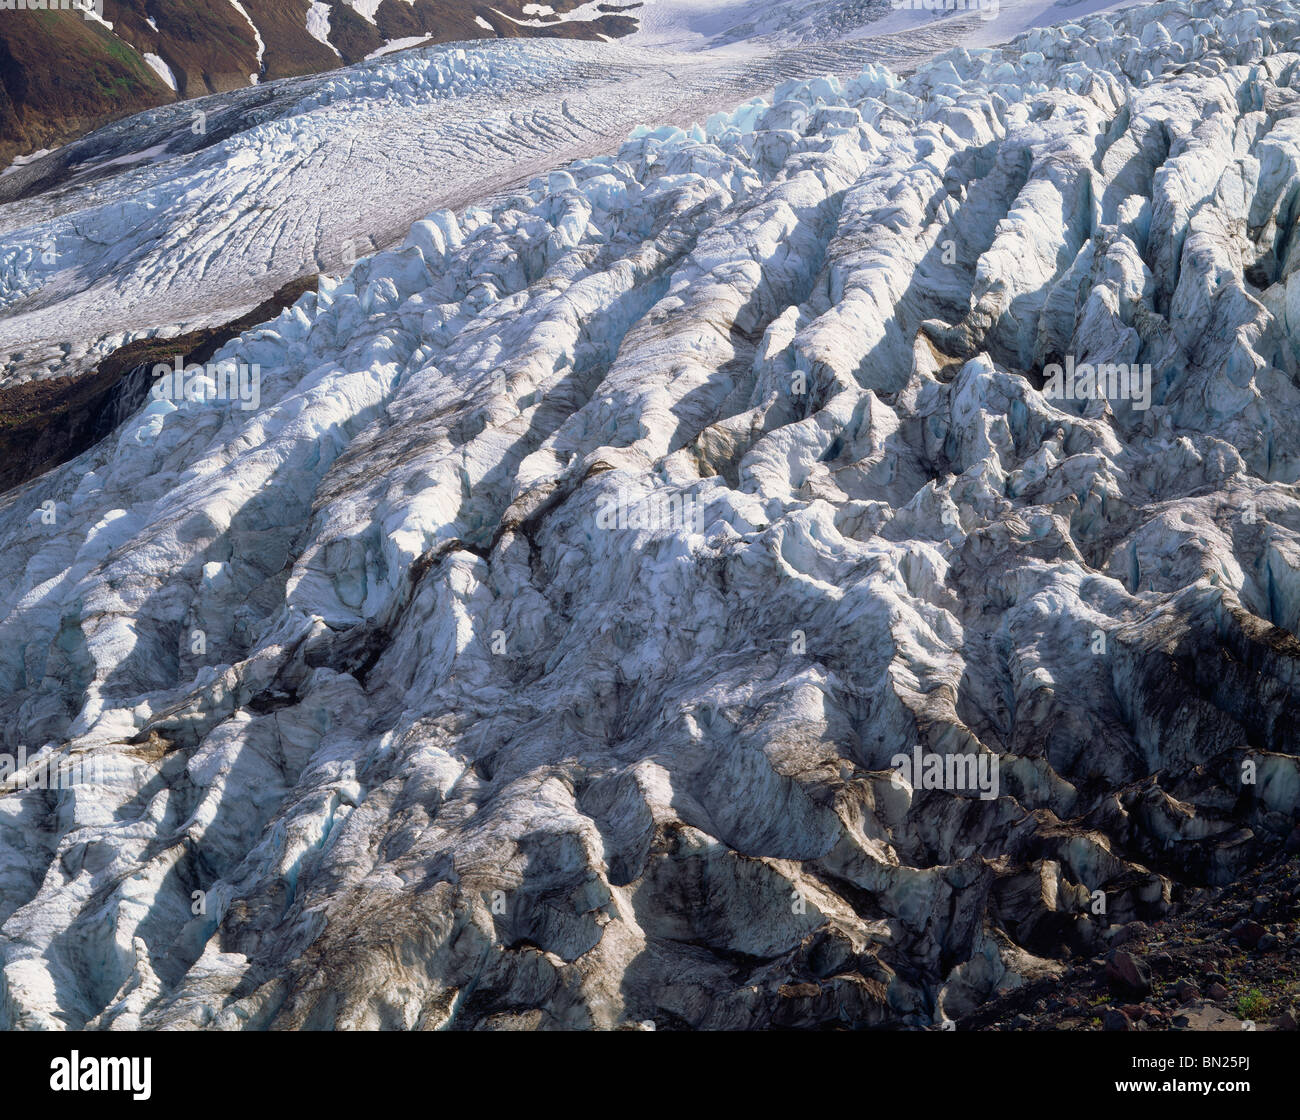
393,729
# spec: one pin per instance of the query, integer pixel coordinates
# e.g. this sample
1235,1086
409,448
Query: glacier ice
394,731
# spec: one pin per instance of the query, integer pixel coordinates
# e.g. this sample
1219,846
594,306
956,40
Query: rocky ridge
1228,959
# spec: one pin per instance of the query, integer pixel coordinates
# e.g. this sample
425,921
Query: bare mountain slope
62,73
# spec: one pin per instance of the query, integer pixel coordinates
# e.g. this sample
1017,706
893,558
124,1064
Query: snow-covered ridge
369,668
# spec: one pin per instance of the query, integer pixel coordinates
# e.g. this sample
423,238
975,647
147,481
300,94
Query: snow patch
159,67
318,24
365,8
257,35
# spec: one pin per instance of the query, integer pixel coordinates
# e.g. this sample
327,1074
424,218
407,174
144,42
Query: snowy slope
284,179
705,24
536,652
